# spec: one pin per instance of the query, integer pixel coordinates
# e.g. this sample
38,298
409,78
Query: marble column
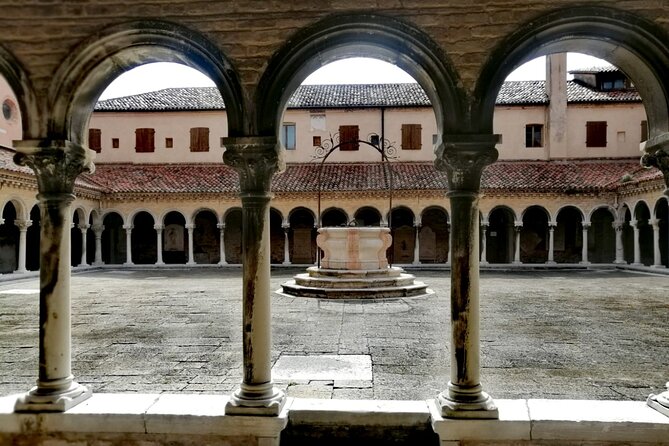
620,251
484,243
416,247
657,256
463,157
517,228
97,230
128,245
584,249
191,257
256,159
221,245
657,155
159,244
56,165
286,244
637,246
83,227
23,226
551,243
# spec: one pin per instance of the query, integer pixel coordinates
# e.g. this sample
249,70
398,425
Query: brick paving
560,334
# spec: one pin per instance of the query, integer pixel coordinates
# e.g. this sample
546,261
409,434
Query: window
595,134
534,135
411,136
317,141
199,139
348,137
144,140
434,138
115,143
288,136
644,131
169,143
95,139
8,110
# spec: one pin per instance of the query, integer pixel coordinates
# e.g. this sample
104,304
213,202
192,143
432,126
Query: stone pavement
551,334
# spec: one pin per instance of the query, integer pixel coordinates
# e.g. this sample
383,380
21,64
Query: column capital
657,155
585,225
190,226
56,163
618,225
158,227
97,229
634,224
517,225
256,159
23,225
285,226
463,157
128,227
220,226
417,225
84,226
655,222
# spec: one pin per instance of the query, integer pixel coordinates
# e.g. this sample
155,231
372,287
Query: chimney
556,119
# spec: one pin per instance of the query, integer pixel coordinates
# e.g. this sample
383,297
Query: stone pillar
551,243
128,245
97,230
256,159
191,257
450,241
416,247
286,244
620,252
637,248
23,226
484,242
83,227
584,249
464,157
56,165
657,155
517,228
221,245
657,257
159,244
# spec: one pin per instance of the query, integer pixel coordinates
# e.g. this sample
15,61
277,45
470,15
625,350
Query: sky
157,76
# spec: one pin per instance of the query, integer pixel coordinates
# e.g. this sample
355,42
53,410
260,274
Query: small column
484,242
620,251
23,226
286,245
221,245
584,249
191,257
637,246
657,257
517,228
551,243
416,247
128,245
464,157
97,230
450,241
83,227
256,159
159,244
56,165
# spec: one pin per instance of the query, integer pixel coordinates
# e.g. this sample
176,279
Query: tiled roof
354,95
519,176
595,70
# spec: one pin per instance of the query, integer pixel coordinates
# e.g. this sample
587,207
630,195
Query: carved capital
56,163
84,227
585,226
221,226
256,159
464,157
23,225
657,155
97,229
128,227
190,226
158,227
655,223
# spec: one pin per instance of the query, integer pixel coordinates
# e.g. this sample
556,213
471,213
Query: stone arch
602,207
113,211
367,216
642,215
232,238
76,236
634,44
9,238
19,207
134,212
402,229
143,238
334,216
97,61
602,235
113,238
32,121
94,219
364,35
277,237
628,233
568,235
33,239
661,213
534,235
175,237
206,237
500,242
205,209
434,235
302,235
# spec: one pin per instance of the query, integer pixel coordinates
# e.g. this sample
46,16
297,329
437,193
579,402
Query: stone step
349,273
354,283
416,289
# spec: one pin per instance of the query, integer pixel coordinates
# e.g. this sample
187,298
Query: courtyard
571,334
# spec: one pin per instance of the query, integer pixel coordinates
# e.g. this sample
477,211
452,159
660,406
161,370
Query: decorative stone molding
256,159
23,225
463,157
56,163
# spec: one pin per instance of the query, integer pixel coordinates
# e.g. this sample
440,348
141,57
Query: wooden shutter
144,140
348,137
411,136
199,139
95,139
596,134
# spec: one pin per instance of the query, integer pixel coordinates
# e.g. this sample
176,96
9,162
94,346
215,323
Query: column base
551,262
467,403
260,400
637,264
483,262
128,264
660,402
658,266
620,262
191,263
40,400
159,263
516,262
584,263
